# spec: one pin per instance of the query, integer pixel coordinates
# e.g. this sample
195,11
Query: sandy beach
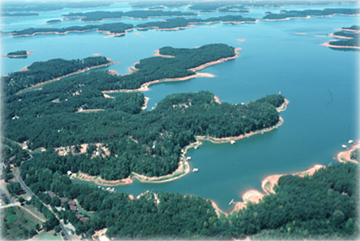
97,54
327,44
349,30
344,156
99,181
338,36
300,33
145,103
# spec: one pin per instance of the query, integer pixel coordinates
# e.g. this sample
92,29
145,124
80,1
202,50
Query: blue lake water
321,84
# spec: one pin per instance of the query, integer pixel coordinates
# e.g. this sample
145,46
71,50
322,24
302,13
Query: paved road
10,200
28,191
10,205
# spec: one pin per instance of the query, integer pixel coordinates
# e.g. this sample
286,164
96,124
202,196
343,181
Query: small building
73,208
63,199
71,203
51,194
11,159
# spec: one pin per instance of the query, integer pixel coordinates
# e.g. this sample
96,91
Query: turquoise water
321,84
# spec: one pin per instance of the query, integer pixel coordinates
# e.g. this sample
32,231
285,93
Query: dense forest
306,13
183,22
19,52
320,206
140,14
112,28
39,72
355,154
148,143
323,206
353,42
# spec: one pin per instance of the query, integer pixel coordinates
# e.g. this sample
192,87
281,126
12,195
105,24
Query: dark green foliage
148,143
43,71
53,21
309,207
15,189
183,22
140,14
19,52
355,155
347,42
113,28
305,13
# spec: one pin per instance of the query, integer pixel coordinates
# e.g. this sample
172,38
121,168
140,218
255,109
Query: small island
18,54
53,21
286,15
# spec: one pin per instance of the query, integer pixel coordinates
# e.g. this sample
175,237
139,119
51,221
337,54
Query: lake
320,83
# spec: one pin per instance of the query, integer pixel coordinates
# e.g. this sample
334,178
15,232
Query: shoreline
184,166
146,100
327,44
267,184
18,56
339,36
145,86
344,156
64,76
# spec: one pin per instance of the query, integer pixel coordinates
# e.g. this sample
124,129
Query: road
10,200
10,205
28,191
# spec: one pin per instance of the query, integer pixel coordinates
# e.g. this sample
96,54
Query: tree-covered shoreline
284,14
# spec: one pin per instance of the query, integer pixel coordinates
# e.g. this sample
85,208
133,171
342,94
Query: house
63,199
71,203
51,194
11,159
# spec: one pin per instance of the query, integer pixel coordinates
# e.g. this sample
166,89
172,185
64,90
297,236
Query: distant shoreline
18,56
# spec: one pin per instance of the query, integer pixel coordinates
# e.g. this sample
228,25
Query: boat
351,141
232,142
196,147
231,202
195,170
344,146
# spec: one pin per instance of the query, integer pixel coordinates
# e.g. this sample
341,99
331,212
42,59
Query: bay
321,84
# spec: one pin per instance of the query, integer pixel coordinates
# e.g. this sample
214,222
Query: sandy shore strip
240,39
157,53
145,86
64,76
338,36
344,156
217,100
288,18
97,54
349,30
327,44
267,184
146,100
300,33
99,181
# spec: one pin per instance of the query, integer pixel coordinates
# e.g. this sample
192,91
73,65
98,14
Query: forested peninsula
113,29
286,15
140,14
40,72
181,23
119,29
182,64
349,38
